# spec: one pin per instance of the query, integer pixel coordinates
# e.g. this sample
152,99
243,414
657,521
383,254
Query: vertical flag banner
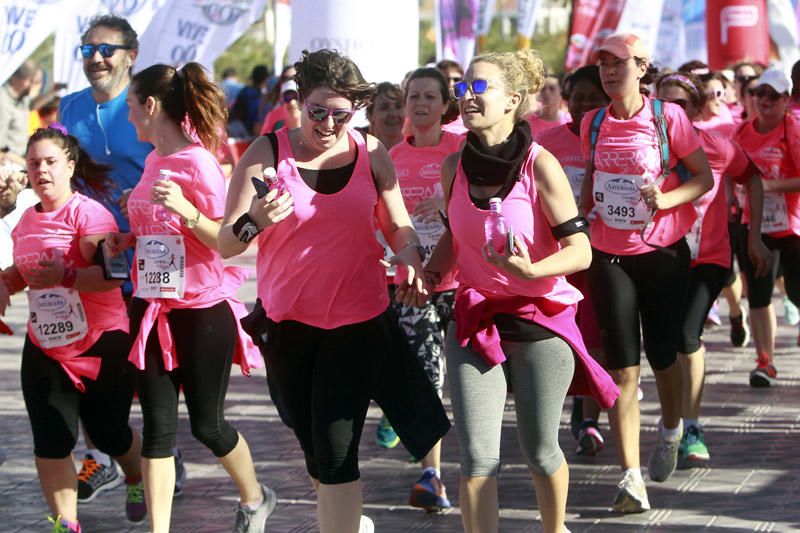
783,32
195,30
643,19
670,48
737,30
24,24
526,21
592,21
381,36
484,21
455,29
67,60
283,32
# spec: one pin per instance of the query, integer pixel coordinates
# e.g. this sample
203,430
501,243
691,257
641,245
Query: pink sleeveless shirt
523,212
320,265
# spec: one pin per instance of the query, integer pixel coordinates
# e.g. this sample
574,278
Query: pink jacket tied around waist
247,356
474,326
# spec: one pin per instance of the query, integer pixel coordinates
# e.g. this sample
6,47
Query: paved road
753,483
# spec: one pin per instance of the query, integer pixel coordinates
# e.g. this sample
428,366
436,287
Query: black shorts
54,404
705,284
651,286
759,290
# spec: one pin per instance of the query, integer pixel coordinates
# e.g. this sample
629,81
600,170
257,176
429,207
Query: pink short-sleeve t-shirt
566,147
36,236
630,147
202,182
540,125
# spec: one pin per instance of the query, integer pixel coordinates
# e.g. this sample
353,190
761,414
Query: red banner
737,30
592,21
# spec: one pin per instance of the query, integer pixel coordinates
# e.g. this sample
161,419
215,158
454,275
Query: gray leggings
540,373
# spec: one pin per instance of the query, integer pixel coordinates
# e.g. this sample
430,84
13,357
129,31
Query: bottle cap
269,173
495,204
164,173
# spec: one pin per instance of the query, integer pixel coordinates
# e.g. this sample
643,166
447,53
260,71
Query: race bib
775,216
428,232
575,177
618,201
160,266
57,317
693,237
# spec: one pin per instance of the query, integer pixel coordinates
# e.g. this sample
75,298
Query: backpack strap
594,133
661,132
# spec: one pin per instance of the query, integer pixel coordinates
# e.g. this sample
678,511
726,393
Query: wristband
68,279
420,250
191,223
245,229
433,277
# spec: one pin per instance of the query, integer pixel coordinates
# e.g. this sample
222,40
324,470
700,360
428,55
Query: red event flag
737,30
592,21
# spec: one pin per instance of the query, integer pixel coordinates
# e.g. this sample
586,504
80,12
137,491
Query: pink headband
58,127
682,78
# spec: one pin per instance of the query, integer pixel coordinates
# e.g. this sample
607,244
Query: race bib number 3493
618,200
160,266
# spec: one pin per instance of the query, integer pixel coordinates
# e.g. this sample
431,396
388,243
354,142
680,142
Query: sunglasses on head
478,86
765,93
317,113
106,50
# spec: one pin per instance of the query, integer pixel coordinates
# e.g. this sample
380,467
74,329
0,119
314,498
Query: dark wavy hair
114,22
329,68
434,74
89,176
185,92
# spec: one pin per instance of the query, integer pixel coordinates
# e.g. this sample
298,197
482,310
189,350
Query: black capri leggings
759,290
204,343
654,286
705,284
54,404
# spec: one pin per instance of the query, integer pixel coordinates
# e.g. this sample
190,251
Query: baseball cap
776,79
287,86
623,46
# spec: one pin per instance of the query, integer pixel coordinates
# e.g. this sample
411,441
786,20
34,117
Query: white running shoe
366,525
632,495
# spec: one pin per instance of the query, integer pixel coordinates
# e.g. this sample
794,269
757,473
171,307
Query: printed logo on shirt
431,171
621,186
771,153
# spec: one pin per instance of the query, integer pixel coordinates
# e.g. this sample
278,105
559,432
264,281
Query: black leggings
705,284
321,382
54,404
654,286
759,290
204,343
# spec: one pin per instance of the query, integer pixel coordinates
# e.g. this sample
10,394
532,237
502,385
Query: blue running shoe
429,493
385,435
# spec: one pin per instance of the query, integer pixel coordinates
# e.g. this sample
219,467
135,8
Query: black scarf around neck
495,170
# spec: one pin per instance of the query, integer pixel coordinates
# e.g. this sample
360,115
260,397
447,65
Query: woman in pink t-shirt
323,321
710,252
514,311
640,264
550,114
74,362
184,315
772,141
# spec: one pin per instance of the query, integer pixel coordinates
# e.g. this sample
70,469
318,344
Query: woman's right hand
117,243
270,210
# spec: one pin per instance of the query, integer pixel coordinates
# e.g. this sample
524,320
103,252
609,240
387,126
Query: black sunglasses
765,93
106,50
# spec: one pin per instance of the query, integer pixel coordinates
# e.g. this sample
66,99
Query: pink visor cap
623,46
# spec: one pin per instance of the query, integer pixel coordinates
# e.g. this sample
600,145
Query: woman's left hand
516,262
49,274
653,198
169,194
411,288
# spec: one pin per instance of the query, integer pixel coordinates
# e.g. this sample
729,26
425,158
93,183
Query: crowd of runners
501,227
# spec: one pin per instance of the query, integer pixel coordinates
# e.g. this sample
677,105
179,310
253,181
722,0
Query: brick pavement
752,484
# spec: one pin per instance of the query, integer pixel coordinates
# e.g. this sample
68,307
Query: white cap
775,78
287,86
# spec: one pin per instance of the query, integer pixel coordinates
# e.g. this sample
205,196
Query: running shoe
62,526
385,435
576,418
632,495
692,451
590,440
740,332
664,459
713,319
790,312
366,525
180,473
764,374
248,521
429,493
95,477
135,506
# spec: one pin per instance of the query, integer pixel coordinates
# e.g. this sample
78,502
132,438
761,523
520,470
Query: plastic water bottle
161,213
271,178
496,227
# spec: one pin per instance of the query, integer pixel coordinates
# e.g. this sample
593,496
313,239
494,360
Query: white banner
24,24
485,16
67,60
783,32
526,16
670,49
642,19
283,32
195,30
383,52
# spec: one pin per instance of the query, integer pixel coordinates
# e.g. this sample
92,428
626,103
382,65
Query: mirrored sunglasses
106,50
477,86
318,113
